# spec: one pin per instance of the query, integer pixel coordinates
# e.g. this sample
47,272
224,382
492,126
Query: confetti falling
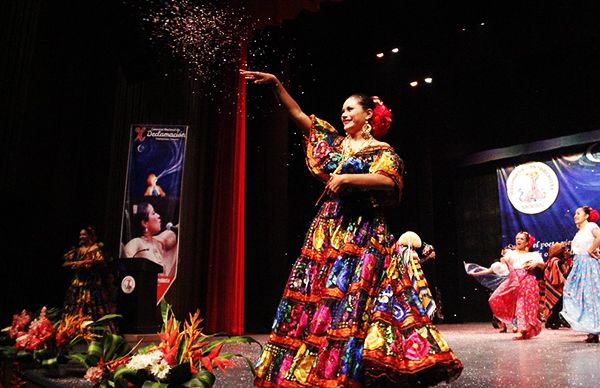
205,38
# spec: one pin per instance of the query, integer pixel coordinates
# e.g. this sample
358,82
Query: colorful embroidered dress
85,295
403,348
320,326
581,298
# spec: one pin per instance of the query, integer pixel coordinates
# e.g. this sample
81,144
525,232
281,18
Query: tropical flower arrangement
185,356
49,337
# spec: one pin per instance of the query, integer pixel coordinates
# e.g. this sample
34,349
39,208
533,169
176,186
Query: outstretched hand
258,77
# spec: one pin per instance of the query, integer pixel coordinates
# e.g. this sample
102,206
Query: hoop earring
366,131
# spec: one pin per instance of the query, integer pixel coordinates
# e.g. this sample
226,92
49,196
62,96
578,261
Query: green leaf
180,352
123,371
50,361
230,340
164,311
248,361
154,384
195,383
106,318
206,377
109,344
43,354
80,358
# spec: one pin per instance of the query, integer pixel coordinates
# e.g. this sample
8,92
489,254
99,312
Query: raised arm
300,118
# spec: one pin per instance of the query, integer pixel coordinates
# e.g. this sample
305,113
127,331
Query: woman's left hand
529,264
336,184
594,254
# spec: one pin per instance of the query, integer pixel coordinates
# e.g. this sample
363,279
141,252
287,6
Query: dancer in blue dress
581,296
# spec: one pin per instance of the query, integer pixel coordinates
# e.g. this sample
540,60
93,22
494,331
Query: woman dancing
518,296
581,296
333,291
86,294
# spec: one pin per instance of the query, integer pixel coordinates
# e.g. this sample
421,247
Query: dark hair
142,214
591,212
91,232
365,101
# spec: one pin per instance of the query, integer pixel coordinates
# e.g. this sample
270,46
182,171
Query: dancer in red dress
518,296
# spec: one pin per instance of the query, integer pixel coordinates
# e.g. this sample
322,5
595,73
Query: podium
137,296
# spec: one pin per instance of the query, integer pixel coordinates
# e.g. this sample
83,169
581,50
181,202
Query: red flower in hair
382,118
594,215
530,240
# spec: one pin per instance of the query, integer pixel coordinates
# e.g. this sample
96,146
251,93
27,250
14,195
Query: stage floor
555,358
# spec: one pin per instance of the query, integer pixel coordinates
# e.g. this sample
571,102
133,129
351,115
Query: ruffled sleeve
388,163
323,148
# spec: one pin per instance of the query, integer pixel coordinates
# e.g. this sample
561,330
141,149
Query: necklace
348,150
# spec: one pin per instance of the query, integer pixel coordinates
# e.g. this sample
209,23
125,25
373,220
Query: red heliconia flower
171,338
222,363
207,363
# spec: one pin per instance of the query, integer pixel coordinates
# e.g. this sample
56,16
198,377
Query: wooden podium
137,296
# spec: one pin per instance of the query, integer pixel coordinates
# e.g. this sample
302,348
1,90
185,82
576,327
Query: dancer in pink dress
518,296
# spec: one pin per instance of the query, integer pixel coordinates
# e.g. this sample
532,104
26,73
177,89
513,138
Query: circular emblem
128,284
532,187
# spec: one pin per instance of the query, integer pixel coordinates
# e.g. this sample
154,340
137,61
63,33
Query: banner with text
150,221
541,197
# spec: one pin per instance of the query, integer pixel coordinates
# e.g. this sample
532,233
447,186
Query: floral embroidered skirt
581,296
518,297
346,319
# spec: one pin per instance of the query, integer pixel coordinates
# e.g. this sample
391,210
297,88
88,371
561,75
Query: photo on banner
541,197
151,208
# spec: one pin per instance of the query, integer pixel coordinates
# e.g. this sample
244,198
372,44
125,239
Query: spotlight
395,49
414,84
428,80
379,55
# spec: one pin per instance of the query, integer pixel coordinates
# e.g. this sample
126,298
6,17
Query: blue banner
150,222
541,197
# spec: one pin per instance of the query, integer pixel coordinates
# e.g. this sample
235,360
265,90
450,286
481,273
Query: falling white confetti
204,37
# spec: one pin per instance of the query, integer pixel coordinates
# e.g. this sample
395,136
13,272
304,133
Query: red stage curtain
225,280
225,297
